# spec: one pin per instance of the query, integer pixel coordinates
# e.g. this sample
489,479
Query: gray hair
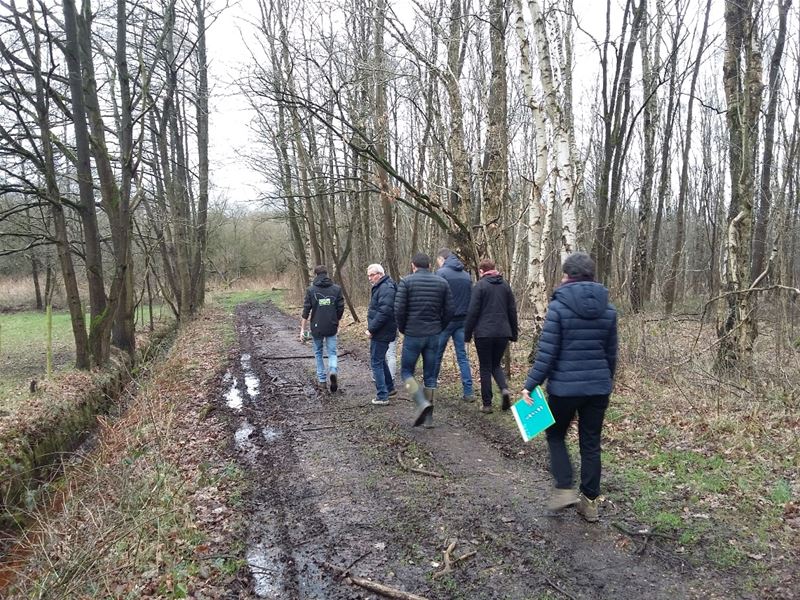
375,268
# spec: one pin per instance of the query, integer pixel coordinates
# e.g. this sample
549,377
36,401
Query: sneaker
322,386
588,509
334,383
393,393
506,400
469,398
561,498
379,402
486,409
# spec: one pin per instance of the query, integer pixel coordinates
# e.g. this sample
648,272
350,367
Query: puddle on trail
233,398
251,383
266,570
243,434
271,434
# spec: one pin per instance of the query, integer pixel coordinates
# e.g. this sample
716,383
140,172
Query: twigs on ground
644,533
406,467
320,428
558,588
449,561
372,586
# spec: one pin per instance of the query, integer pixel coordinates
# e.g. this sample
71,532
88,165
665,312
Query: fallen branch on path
415,469
449,561
645,533
557,588
320,428
372,586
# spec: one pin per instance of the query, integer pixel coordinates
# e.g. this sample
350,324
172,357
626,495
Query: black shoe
393,393
334,383
506,400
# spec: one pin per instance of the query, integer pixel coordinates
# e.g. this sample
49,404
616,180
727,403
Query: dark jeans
428,347
591,410
380,368
455,330
490,354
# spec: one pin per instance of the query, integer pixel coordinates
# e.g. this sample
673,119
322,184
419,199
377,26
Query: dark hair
421,261
487,264
579,264
320,270
444,253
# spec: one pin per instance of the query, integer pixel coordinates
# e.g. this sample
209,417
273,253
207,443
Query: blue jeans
330,347
455,329
591,410
380,368
413,347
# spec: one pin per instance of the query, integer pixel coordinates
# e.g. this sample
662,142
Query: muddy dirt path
329,488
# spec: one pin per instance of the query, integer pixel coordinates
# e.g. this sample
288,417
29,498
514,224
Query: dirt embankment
339,482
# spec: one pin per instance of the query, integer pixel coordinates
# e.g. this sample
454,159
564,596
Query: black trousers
490,354
591,410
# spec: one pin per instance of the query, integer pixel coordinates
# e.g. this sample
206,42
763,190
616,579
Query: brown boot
561,498
588,509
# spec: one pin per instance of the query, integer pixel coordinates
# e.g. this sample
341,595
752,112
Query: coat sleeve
307,304
472,313
512,315
400,299
548,350
611,347
339,304
448,309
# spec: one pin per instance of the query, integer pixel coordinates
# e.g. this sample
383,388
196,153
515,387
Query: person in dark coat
577,355
382,330
423,307
452,270
324,304
492,321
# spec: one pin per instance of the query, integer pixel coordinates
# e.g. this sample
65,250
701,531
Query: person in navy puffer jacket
452,270
577,355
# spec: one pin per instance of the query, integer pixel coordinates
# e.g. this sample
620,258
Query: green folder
532,420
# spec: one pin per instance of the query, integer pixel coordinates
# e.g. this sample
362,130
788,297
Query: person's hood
322,280
453,263
495,279
588,299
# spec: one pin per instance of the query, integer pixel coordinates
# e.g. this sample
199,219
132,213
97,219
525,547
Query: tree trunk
743,91
381,135
99,340
680,227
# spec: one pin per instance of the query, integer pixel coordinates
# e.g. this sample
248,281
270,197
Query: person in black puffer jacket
382,330
423,306
324,303
577,355
492,321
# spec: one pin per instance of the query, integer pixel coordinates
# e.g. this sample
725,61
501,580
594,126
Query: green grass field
23,350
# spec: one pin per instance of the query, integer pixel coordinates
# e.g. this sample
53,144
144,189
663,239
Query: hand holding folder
532,414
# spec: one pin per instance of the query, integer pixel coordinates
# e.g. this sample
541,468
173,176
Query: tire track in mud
327,488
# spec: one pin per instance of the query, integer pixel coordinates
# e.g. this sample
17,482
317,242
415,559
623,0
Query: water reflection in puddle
243,434
271,434
265,568
251,383
233,397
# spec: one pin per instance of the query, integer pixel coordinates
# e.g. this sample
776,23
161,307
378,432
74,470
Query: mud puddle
339,482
